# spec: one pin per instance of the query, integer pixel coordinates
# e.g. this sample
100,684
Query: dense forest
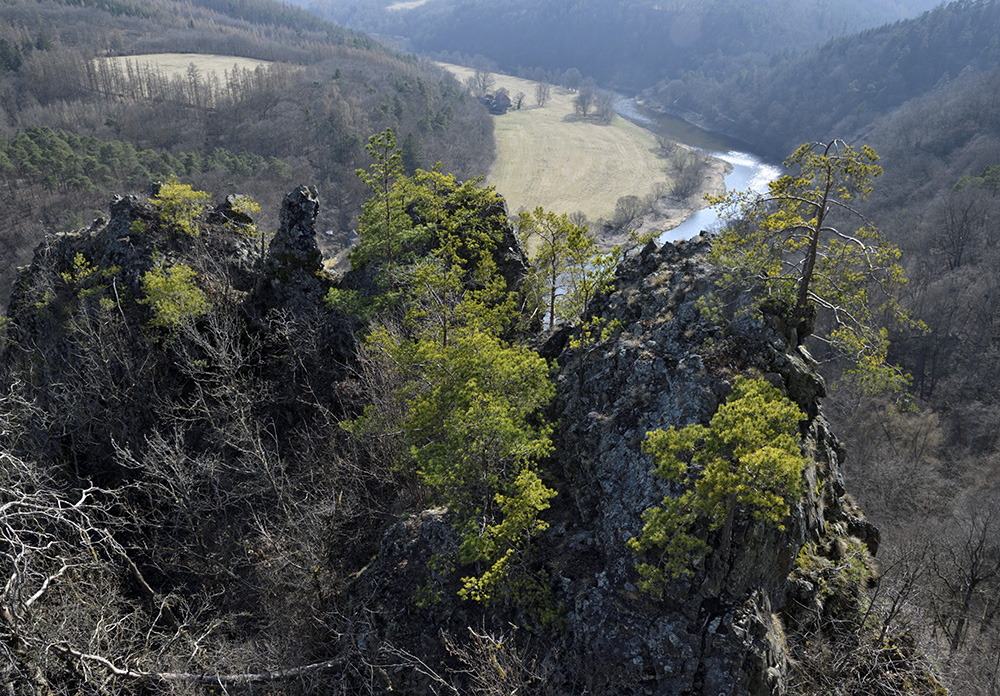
929,479
624,45
77,129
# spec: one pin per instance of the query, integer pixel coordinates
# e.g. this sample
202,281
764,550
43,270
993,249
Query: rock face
294,261
719,632
723,631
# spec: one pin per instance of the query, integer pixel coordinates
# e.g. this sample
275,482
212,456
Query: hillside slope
176,442
74,129
843,87
626,44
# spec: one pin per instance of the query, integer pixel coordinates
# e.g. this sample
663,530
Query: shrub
173,295
748,459
179,206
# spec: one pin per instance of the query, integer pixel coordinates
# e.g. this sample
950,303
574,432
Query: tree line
61,162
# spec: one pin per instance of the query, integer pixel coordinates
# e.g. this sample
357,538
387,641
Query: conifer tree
806,246
747,460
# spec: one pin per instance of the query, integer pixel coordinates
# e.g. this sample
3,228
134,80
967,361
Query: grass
176,64
551,157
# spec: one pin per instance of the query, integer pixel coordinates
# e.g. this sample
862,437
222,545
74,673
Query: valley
293,401
549,156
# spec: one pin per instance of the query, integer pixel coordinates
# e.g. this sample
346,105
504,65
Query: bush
173,295
179,206
748,459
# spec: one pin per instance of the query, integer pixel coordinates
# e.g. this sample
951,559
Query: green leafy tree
805,245
472,433
173,295
570,269
382,215
179,205
447,246
463,402
747,460
588,274
548,233
446,295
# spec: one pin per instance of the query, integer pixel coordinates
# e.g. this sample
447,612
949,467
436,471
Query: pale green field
171,64
550,157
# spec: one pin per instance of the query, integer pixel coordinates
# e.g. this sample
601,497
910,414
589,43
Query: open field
176,64
551,157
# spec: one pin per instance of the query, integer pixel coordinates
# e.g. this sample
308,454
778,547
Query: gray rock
293,269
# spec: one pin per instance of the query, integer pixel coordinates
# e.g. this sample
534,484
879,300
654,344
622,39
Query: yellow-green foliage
842,566
382,219
179,206
748,459
249,207
350,303
246,205
794,246
82,269
466,403
88,282
570,270
593,330
500,544
173,295
472,434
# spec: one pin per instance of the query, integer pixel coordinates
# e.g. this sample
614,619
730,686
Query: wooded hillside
625,44
305,118
844,86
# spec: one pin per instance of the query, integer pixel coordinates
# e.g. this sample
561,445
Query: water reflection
749,170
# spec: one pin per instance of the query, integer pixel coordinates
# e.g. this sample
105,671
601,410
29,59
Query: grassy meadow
176,64
551,157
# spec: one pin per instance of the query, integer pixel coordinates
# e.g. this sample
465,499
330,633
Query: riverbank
744,169
549,156
668,214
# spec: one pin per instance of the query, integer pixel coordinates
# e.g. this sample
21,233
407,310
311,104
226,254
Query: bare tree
604,106
494,664
483,82
572,78
584,100
483,79
690,173
627,209
667,146
579,218
963,216
543,91
969,571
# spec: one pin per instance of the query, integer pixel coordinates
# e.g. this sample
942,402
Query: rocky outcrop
719,632
293,268
735,627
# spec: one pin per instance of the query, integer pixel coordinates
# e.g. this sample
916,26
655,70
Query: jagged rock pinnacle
294,260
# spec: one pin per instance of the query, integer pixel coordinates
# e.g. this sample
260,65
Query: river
749,170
